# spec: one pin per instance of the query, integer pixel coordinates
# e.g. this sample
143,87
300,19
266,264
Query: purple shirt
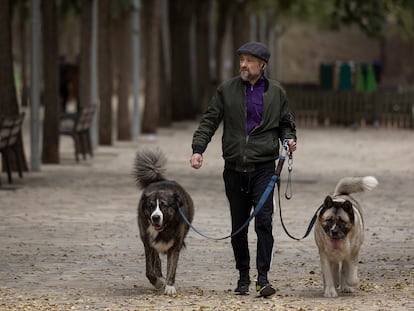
254,103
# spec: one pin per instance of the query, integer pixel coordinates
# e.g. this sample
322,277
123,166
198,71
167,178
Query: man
256,117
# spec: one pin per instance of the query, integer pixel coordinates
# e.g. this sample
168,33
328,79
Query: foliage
375,16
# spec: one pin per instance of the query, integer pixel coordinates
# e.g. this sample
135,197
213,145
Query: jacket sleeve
287,122
209,123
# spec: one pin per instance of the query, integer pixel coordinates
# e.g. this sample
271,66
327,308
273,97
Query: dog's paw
348,289
159,283
170,290
330,292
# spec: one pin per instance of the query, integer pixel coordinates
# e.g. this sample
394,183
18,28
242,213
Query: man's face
250,67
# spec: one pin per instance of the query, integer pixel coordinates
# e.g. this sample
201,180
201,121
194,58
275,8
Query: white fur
157,212
369,182
170,290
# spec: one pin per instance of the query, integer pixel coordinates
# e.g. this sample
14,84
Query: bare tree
122,70
181,12
203,80
105,72
85,53
152,15
50,146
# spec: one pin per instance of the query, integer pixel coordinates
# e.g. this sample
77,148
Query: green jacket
238,146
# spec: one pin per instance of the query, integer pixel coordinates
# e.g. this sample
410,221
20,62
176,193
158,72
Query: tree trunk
85,54
122,68
50,146
165,76
105,72
180,22
203,56
8,102
23,53
223,14
152,12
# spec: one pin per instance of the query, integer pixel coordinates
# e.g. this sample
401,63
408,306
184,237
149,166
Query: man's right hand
196,160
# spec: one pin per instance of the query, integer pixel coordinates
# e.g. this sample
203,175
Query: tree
105,72
152,19
374,18
85,53
122,67
50,146
181,12
203,81
8,102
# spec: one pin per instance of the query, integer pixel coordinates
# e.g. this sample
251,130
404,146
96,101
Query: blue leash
263,198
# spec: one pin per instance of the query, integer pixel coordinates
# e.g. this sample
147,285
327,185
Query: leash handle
289,154
288,191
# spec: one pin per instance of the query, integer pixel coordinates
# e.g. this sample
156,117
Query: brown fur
339,233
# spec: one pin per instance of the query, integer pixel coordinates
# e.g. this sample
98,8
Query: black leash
288,196
310,226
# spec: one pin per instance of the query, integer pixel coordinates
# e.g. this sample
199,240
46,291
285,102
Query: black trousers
244,190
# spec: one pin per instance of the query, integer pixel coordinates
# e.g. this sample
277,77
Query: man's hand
196,160
291,145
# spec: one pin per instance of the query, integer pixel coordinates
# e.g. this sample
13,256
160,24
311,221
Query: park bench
77,125
10,128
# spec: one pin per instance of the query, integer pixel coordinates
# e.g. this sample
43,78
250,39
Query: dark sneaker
242,287
265,290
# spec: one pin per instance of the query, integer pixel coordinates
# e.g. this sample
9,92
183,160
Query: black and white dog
161,227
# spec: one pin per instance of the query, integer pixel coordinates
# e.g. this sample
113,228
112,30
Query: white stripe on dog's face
157,216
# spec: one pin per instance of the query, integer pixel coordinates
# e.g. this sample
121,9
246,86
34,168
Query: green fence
313,108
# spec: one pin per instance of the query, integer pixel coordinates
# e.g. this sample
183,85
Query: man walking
256,118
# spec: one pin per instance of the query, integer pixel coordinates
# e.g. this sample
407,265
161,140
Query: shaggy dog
161,227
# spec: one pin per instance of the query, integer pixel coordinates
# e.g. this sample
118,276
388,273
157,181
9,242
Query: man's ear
263,66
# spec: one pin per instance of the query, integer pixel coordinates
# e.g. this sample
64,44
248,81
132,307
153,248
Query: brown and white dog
161,227
339,233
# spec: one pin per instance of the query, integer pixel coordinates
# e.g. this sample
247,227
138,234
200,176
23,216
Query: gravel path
69,238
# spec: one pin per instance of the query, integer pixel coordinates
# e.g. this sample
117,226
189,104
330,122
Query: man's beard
245,75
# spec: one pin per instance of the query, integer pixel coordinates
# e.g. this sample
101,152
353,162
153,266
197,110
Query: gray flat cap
257,49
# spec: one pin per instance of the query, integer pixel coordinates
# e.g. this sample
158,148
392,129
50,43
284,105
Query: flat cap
257,49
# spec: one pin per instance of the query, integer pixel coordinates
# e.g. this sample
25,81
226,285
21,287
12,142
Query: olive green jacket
239,147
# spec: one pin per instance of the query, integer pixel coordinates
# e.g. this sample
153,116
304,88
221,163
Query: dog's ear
144,199
347,207
327,204
178,200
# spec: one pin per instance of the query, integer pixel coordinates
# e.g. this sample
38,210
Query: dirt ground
69,237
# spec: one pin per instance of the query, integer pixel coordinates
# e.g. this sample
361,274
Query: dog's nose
156,218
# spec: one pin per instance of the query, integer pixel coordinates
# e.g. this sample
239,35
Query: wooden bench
77,126
10,128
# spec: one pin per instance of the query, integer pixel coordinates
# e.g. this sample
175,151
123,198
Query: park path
69,238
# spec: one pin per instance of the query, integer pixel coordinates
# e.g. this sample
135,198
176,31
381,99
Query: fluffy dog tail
348,185
149,167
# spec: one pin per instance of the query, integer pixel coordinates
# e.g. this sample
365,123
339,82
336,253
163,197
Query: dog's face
160,208
336,217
